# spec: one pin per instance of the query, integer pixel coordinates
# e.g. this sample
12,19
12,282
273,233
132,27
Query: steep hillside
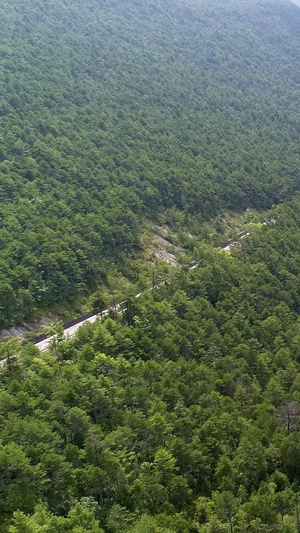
112,110
182,417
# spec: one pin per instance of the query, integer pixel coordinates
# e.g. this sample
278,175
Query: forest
179,410
115,111
181,416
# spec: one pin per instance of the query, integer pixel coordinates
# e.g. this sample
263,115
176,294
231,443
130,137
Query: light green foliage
79,520
187,420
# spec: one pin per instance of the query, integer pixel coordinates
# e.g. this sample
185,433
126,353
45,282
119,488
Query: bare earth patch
159,249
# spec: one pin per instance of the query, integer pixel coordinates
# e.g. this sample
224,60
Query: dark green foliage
114,110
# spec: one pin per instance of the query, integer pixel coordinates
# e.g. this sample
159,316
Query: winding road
70,331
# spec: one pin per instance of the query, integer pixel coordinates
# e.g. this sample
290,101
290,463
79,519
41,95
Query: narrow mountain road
70,332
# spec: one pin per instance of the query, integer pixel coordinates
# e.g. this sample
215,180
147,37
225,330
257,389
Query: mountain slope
181,418
112,110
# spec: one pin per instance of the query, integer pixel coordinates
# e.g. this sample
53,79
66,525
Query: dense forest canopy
181,417
113,110
180,414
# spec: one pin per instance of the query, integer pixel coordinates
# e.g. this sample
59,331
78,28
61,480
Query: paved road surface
70,332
